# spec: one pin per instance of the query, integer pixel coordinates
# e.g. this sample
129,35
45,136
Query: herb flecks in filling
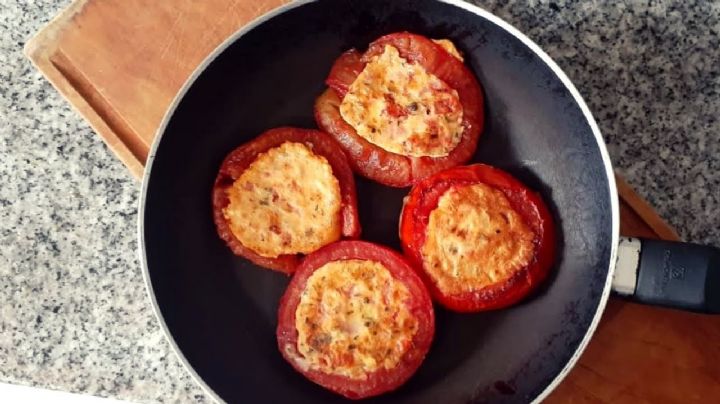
353,319
286,202
402,108
474,238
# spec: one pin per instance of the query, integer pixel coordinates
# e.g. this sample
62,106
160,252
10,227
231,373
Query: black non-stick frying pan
219,310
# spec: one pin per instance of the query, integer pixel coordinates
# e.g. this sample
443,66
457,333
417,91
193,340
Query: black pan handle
671,274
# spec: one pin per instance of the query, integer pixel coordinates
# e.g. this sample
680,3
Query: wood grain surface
120,63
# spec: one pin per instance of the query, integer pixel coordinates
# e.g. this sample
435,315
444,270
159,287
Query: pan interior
221,310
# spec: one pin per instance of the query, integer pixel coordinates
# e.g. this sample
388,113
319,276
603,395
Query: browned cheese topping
475,239
402,108
352,319
286,202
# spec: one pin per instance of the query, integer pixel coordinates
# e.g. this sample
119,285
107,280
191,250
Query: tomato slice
423,199
375,162
418,302
239,159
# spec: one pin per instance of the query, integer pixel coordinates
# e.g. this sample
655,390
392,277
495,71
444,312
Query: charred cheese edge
286,202
449,47
474,239
402,108
353,319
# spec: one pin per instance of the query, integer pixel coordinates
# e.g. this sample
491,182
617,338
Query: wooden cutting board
120,63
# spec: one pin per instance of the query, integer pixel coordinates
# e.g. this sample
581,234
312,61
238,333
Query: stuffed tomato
406,108
285,194
355,319
481,238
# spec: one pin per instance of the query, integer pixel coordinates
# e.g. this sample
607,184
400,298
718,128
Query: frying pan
219,310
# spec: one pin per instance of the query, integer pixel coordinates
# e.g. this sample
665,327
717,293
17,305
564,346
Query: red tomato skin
344,71
382,380
375,162
366,159
423,198
239,159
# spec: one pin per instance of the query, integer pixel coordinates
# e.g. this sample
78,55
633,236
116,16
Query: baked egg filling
474,239
286,202
402,108
352,319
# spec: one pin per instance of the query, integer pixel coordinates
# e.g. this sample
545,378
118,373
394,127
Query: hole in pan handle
671,274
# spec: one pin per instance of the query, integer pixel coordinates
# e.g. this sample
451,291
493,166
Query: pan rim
609,173
544,57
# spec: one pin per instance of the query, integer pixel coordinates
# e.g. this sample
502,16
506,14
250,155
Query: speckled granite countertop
73,310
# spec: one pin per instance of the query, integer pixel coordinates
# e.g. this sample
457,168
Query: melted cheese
475,239
449,47
402,108
352,319
286,202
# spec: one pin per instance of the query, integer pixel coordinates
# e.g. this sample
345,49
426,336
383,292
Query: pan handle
671,274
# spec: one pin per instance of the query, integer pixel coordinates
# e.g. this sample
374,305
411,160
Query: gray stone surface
73,310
